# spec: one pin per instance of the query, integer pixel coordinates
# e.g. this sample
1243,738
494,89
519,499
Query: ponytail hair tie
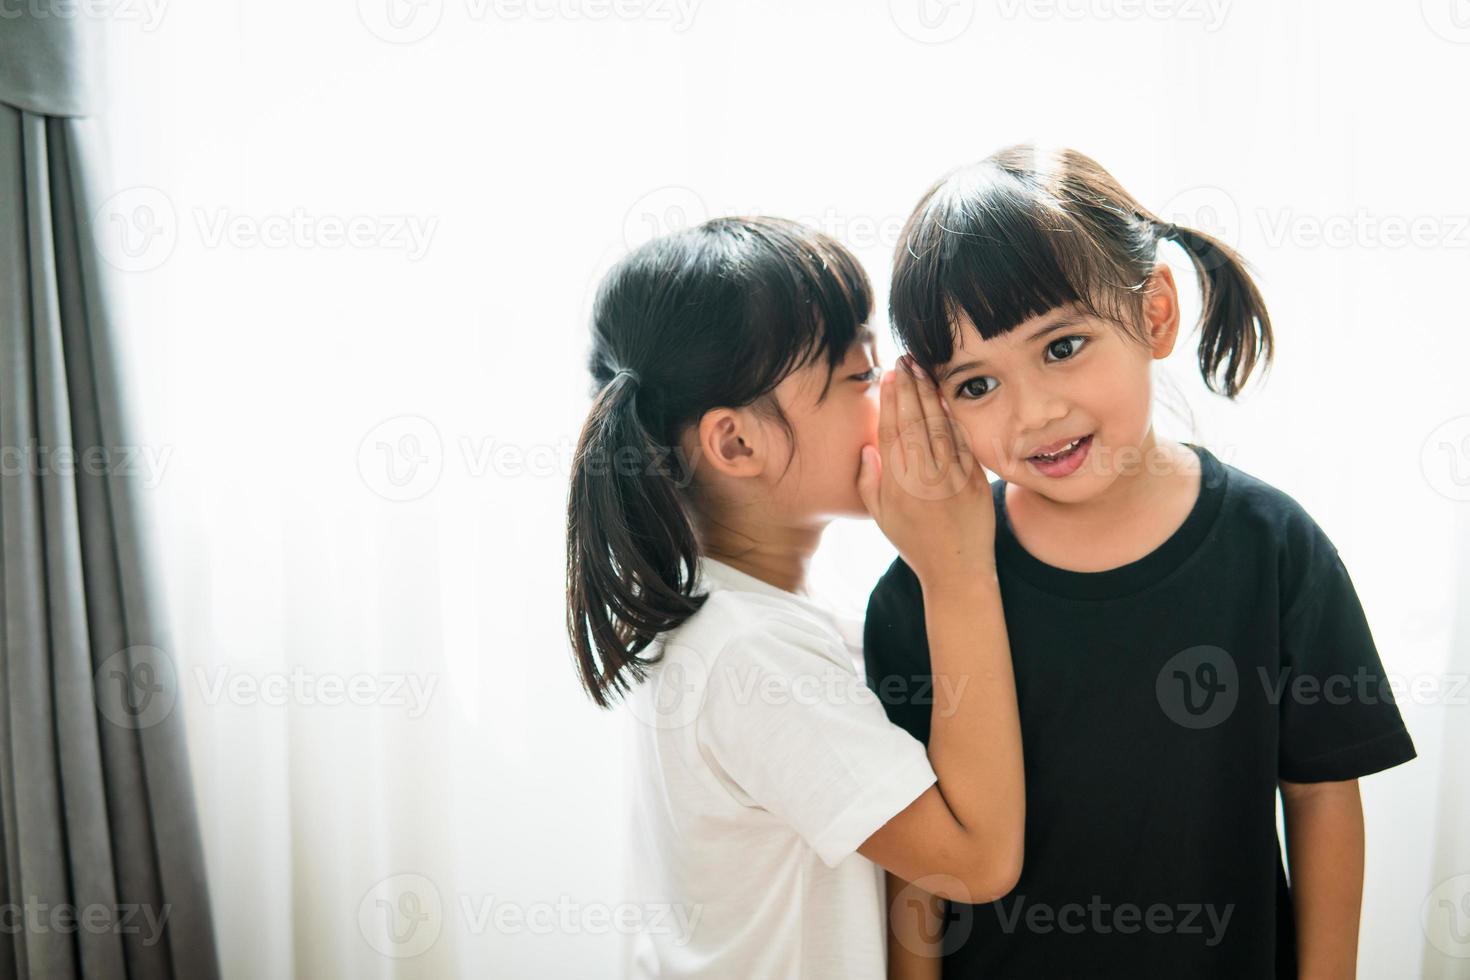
624,371
1166,229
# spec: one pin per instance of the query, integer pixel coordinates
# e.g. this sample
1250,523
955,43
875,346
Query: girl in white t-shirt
733,419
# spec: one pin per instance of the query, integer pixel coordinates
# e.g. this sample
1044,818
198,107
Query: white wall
526,145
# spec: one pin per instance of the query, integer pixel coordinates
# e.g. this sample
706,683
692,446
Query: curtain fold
102,864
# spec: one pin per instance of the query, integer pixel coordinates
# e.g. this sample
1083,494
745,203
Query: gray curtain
101,864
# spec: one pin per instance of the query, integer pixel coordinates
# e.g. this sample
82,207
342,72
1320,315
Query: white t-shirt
758,761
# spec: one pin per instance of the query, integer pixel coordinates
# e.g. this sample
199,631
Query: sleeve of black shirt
896,650
1338,717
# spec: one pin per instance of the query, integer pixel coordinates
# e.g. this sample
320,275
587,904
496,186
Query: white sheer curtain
362,245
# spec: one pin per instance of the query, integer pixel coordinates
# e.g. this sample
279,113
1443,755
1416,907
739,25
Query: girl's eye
871,374
969,389
1065,348
1069,346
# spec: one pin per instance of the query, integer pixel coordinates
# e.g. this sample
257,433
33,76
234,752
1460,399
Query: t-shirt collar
1126,580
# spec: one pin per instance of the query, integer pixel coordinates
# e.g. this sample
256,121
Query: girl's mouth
1063,461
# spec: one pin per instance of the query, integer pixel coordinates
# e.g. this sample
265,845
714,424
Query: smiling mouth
1065,450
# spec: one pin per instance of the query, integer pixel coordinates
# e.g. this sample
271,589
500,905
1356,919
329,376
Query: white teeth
1060,452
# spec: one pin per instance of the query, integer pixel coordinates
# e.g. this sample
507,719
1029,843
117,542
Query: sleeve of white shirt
806,739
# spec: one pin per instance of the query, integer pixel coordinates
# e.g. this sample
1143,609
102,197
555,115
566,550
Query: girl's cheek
982,445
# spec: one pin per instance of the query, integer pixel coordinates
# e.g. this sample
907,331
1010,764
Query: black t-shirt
1160,703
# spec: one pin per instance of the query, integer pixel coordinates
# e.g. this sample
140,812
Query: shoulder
755,629
1280,523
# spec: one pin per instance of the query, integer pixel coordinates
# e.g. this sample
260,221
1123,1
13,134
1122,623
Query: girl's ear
1161,310
731,443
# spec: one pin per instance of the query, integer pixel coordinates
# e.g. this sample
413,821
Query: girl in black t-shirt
1186,639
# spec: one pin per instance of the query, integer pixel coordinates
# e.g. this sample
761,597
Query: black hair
1024,231
711,316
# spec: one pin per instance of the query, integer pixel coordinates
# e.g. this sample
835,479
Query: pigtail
631,550
1235,329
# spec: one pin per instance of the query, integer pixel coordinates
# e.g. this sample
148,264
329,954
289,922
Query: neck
777,555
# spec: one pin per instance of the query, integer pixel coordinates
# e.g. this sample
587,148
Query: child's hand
923,485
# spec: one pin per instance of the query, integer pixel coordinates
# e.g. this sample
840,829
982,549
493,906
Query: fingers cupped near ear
912,432
936,419
887,411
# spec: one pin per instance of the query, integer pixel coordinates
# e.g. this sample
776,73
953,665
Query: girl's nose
1037,409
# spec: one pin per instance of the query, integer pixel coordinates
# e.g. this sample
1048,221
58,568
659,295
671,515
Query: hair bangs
989,246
